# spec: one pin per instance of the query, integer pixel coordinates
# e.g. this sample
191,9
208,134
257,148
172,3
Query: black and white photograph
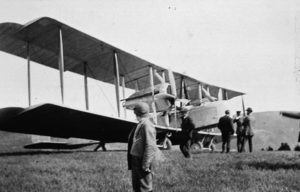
150,95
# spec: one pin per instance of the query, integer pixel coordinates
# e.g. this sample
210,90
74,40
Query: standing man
238,119
187,127
248,124
226,127
142,149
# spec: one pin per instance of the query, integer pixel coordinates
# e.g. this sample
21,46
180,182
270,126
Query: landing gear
205,143
101,144
198,146
167,144
211,145
164,142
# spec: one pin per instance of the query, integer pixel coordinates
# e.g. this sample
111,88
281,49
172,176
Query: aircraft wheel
196,147
168,144
212,147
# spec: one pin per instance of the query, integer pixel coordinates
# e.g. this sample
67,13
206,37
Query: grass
107,171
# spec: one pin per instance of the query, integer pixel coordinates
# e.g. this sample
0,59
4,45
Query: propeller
172,83
208,96
220,94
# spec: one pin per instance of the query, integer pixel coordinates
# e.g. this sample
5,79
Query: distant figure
187,127
270,148
249,122
284,147
226,127
238,120
142,149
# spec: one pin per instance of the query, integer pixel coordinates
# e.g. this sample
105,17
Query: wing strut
181,88
163,75
243,105
86,91
167,120
117,81
61,65
136,85
124,96
28,74
225,94
152,91
200,92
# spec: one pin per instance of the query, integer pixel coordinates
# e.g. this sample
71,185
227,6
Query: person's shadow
52,152
30,153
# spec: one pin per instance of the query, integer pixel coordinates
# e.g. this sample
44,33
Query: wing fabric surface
57,121
63,122
79,48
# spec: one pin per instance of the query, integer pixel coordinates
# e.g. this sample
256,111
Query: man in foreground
142,149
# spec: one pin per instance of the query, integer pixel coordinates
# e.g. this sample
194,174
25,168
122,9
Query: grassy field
107,171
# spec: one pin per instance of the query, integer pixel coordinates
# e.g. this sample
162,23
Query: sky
249,46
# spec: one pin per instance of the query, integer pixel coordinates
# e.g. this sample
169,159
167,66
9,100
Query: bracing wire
100,88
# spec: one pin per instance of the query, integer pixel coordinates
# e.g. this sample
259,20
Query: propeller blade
207,95
220,94
172,82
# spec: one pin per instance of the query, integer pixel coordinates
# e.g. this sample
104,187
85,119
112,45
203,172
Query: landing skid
102,145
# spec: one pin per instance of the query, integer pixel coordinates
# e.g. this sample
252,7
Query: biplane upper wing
42,38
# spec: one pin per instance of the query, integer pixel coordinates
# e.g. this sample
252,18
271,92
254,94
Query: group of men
244,130
142,146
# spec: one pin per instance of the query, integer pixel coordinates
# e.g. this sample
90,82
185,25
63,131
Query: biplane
56,45
293,115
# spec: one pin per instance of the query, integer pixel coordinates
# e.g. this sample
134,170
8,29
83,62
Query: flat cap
141,109
249,109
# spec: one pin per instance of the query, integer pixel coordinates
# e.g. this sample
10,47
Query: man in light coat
249,122
142,149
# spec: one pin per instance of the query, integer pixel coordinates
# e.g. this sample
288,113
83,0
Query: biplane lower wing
63,122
